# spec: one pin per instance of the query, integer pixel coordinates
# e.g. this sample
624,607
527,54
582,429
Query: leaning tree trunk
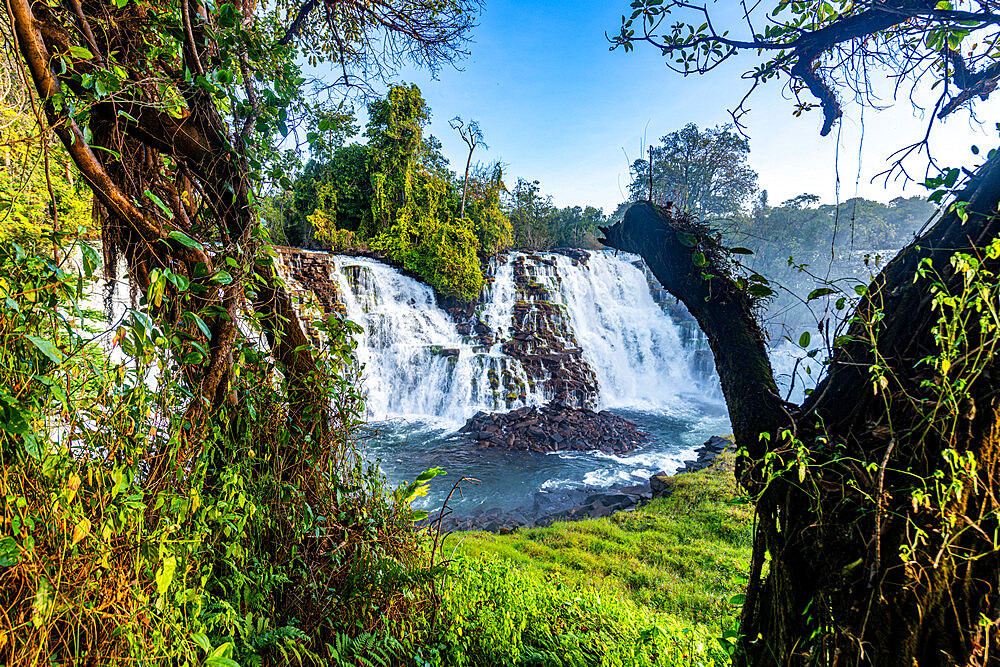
877,497
193,167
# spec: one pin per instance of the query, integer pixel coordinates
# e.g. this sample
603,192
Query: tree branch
723,311
110,195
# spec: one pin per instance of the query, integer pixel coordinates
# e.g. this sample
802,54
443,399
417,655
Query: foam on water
418,367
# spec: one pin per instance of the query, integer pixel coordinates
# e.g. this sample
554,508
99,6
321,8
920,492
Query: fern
364,650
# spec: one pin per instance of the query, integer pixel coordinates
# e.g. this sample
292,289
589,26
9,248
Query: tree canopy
701,172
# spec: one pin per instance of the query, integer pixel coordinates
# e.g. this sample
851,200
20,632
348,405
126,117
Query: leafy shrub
136,533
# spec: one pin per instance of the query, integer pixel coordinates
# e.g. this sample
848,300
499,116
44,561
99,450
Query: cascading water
419,367
634,348
582,329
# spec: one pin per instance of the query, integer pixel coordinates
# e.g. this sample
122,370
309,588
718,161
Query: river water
424,379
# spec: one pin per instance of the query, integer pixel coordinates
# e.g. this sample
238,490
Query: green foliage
429,240
484,209
539,225
25,199
136,531
395,133
702,172
413,218
397,195
818,252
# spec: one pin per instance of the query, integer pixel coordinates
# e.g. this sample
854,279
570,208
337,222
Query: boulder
661,484
555,427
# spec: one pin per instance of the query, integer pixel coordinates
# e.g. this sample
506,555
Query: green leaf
222,651
165,574
738,250
428,475
183,239
47,348
951,178
818,292
80,52
222,277
200,323
686,239
698,259
218,661
202,641
804,339
10,553
759,290
12,421
90,259
159,204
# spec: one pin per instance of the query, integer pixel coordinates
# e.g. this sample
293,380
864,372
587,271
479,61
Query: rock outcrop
542,339
554,428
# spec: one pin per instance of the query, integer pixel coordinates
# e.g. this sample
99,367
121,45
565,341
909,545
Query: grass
651,587
684,555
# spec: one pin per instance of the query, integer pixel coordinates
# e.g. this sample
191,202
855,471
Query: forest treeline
397,195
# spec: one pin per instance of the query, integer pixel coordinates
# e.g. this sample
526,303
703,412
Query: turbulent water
419,367
424,379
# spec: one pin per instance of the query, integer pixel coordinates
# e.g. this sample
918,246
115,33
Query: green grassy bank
650,587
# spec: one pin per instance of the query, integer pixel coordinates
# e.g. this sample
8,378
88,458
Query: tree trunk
877,497
206,168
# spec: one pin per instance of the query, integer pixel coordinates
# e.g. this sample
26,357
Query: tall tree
702,172
473,138
528,211
877,496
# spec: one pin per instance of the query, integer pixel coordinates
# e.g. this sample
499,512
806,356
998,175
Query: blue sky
557,106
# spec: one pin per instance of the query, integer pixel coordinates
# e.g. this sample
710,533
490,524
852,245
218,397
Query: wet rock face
542,339
555,428
578,255
308,280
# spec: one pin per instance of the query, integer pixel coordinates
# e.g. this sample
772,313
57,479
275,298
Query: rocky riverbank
553,428
574,504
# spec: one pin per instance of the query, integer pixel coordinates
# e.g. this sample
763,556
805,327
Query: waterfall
542,317
633,346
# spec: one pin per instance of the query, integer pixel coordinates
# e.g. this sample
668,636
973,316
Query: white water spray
418,367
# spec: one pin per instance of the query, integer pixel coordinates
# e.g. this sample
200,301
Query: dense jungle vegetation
395,195
185,487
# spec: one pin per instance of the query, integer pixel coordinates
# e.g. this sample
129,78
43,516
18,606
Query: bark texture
878,535
192,166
